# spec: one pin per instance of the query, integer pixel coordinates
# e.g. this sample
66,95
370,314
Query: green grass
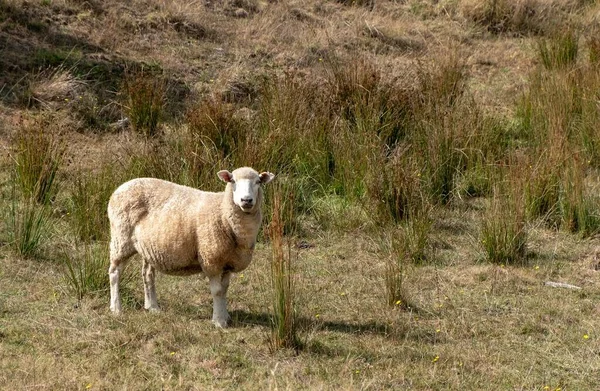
28,225
85,270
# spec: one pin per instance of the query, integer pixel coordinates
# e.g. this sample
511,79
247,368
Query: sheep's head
246,185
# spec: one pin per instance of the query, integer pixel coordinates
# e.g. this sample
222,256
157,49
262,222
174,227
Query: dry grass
395,125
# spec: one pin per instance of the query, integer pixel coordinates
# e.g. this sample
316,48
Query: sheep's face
245,183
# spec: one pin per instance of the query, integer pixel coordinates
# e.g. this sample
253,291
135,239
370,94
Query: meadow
437,162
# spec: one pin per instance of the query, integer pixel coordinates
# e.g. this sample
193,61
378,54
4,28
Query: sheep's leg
119,255
114,273
148,274
218,289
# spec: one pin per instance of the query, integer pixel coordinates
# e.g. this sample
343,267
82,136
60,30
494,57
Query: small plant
144,102
284,322
28,225
38,156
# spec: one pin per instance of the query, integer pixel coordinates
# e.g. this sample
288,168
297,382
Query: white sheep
181,231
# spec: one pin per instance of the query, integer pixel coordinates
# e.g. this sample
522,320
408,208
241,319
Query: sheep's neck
243,226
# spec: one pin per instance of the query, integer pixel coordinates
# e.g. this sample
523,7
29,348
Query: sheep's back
164,219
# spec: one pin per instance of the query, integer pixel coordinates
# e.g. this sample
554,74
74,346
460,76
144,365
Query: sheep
181,231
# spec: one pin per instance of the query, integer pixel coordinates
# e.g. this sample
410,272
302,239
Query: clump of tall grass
579,210
443,126
144,101
89,200
85,270
284,320
542,189
39,152
403,247
28,224
559,51
503,231
216,121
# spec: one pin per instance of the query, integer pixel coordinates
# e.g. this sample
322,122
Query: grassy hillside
437,164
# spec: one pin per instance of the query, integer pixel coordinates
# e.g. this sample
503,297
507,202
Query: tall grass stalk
284,323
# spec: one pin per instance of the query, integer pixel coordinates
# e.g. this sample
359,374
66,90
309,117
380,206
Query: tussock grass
144,97
89,201
284,319
559,52
85,270
504,230
28,225
38,155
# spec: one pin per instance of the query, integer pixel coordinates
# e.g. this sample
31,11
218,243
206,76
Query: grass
28,225
38,156
436,162
284,319
86,274
144,96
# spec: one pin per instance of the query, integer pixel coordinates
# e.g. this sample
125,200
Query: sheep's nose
247,200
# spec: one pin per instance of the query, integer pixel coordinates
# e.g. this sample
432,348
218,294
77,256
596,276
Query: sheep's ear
266,177
225,176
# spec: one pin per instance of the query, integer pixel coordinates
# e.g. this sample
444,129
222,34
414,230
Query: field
433,224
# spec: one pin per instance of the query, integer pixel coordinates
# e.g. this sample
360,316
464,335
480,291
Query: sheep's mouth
247,208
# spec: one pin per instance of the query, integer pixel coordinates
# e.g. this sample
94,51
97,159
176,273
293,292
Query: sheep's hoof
220,323
116,311
154,310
